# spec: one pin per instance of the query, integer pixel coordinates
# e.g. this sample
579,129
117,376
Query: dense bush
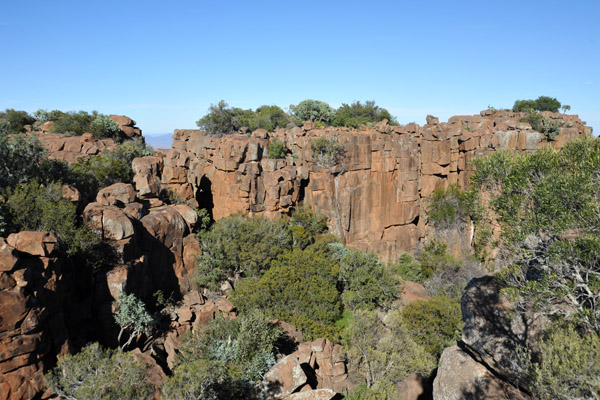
452,207
300,287
20,159
383,355
434,324
542,103
367,283
225,360
238,247
222,119
34,207
357,114
277,149
547,203
12,121
95,373
569,367
312,110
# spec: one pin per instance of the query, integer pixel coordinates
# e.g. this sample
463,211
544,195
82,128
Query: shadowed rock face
374,198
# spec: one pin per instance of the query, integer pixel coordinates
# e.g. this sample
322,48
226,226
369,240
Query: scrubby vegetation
222,119
95,373
327,152
542,103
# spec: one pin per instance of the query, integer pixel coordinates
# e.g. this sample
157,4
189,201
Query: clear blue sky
163,63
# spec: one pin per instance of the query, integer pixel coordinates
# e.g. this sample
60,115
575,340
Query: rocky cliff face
32,326
374,197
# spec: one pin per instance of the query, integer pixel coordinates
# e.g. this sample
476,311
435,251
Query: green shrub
132,317
547,203
268,118
357,114
327,152
20,159
312,110
450,208
33,207
13,121
306,226
300,288
277,149
569,366
382,355
238,247
104,127
222,119
367,284
542,103
95,373
434,324
408,268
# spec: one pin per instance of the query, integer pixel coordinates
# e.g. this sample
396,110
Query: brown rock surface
373,199
34,243
460,377
118,194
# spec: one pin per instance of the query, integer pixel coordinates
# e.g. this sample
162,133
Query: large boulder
286,377
118,194
147,176
33,243
460,377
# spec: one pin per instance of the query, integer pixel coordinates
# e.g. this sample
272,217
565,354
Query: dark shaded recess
302,189
204,196
415,221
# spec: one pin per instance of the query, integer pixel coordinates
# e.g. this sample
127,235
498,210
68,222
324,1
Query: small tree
277,149
132,317
566,108
312,110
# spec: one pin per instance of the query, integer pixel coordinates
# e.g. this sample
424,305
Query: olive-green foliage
268,118
542,103
45,116
434,324
224,360
277,149
383,355
132,317
357,114
551,198
408,268
367,283
20,159
380,391
222,119
34,207
452,207
306,226
312,110
327,152
239,246
569,367
300,288
12,121
543,124
97,374
202,379
108,168
76,123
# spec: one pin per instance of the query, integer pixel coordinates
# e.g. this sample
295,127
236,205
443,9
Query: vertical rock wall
374,198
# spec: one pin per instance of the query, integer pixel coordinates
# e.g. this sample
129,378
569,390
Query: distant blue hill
160,141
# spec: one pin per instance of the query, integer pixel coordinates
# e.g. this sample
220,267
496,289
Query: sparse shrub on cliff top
268,118
222,119
327,152
312,110
542,103
76,123
358,114
94,373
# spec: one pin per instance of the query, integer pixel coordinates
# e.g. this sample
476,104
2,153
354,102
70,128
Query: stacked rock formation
70,148
126,125
375,195
32,329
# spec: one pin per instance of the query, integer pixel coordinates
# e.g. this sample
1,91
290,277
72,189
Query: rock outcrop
71,148
32,328
375,195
